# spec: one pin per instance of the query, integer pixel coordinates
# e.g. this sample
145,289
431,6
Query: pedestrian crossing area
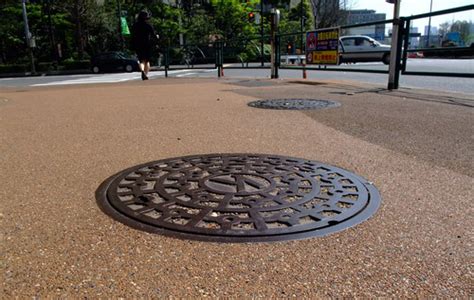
122,77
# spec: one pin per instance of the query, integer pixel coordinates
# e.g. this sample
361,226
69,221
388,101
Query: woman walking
143,40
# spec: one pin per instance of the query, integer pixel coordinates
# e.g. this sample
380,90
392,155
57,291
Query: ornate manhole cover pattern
238,197
294,104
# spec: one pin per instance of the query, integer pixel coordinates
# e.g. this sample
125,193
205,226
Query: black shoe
144,77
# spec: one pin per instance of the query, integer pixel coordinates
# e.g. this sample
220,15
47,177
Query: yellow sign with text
324,57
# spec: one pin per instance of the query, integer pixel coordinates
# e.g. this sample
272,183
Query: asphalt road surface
447,84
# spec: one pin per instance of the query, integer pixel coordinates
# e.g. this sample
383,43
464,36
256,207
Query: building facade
359,16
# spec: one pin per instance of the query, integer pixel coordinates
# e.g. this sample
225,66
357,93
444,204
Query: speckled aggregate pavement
58,144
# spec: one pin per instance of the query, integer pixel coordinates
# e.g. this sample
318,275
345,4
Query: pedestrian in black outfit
143,41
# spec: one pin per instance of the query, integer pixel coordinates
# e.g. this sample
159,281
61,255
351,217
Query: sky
414,7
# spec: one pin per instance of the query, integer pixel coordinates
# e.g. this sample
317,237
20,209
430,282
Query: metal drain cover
295,104
238,198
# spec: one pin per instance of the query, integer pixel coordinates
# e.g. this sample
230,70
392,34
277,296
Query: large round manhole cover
294,104
238,197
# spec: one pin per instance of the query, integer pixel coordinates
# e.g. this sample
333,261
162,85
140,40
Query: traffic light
251,17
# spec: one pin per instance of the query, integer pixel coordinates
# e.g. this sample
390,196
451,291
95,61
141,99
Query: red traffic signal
251,17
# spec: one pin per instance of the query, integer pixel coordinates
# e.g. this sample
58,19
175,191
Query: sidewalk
59,143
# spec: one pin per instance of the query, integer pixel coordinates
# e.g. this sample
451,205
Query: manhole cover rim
279,104
368,211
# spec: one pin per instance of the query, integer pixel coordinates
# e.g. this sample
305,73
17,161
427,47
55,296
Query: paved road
91,78
58,144
448,84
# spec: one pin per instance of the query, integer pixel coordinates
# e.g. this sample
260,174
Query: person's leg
142,66
147,66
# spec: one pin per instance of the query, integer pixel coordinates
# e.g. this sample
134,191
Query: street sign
124,26
322,46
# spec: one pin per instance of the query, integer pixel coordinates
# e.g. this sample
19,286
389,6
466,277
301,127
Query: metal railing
434,51
253,52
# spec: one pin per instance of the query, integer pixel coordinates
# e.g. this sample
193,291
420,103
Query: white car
361,48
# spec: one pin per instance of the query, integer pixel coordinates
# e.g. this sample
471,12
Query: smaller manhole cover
295,104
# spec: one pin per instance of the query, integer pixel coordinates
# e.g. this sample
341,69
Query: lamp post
429,26
119,13
28,36
302,24
52,40
262,51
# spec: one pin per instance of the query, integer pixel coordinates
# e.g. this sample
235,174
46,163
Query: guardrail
254,52
441,51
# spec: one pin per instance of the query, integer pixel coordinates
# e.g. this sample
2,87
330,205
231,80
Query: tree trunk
79,33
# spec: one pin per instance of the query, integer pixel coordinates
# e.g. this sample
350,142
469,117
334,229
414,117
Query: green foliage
12,40
166,22
199,29
230,18
252,52
15,68
295,15
463,27
71,64
84,28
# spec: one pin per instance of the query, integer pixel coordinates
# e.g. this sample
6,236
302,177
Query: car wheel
129,68
95,69
386,59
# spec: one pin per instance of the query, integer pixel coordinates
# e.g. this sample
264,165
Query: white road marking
185,74
120,77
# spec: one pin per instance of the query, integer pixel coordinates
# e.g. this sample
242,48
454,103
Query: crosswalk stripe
114,78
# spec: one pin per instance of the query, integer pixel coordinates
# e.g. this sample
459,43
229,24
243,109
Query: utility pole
429,26
52,40
393,69
180,22
119,13
262,51
28,36
302,24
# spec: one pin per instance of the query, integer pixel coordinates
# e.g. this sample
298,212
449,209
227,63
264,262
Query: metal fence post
277,55
399,53
275,19
392,76
222,58
219,47
167,60
406,42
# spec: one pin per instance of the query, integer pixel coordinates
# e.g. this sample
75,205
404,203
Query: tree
463,27
165,19
329,13
12,35
230,18
295,15
199,29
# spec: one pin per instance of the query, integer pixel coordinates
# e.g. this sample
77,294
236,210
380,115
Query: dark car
114,62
